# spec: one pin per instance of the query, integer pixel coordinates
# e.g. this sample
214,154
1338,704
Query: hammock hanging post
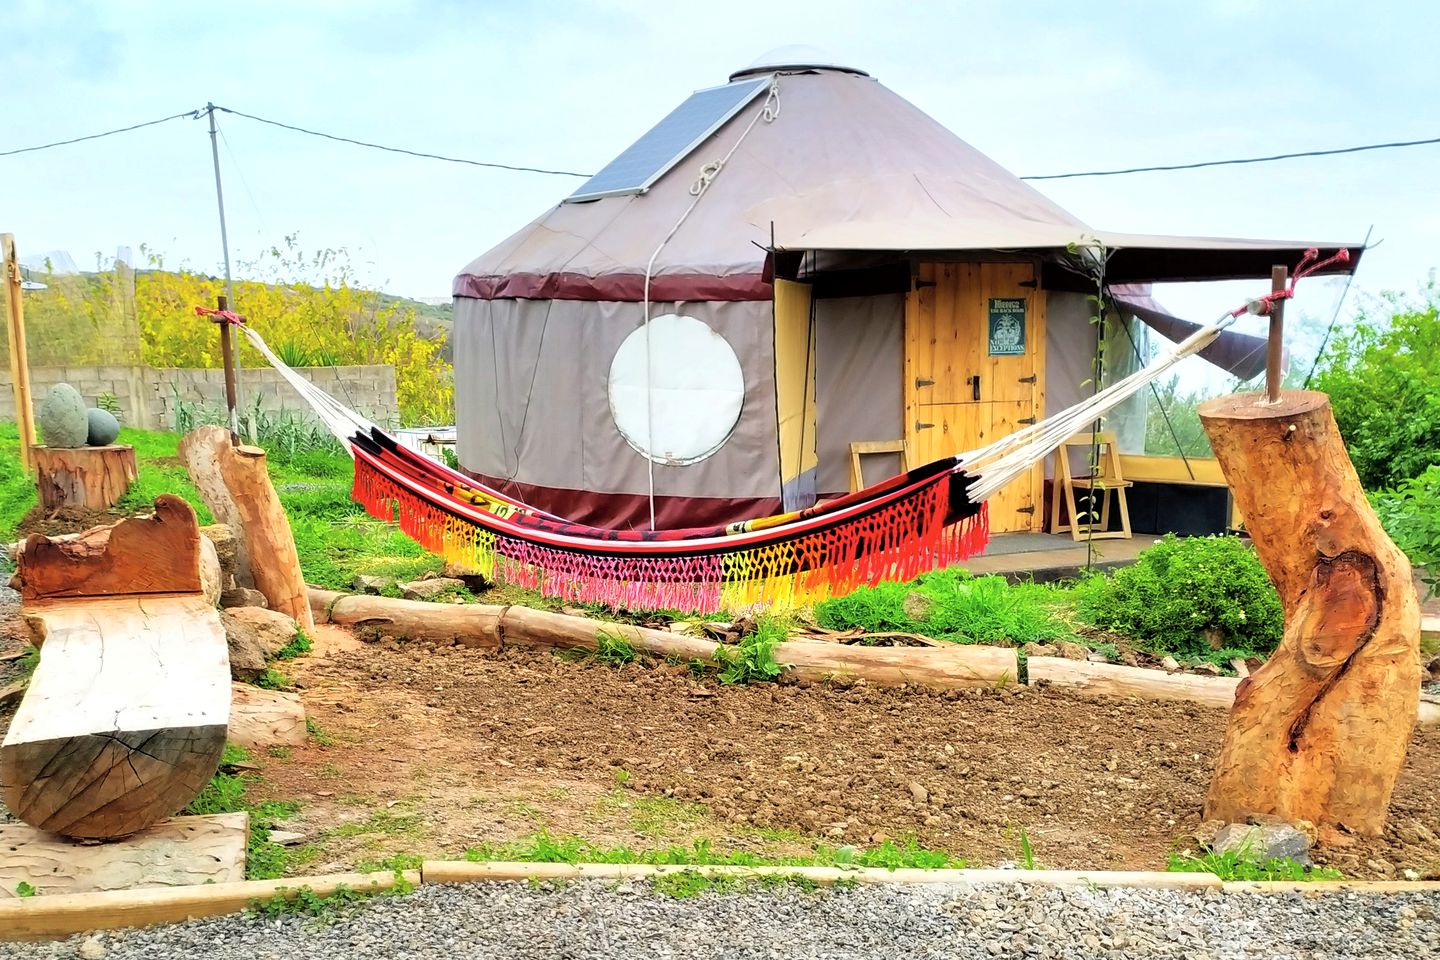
227,354
1274,355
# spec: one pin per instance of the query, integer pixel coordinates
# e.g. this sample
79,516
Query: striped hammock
923,520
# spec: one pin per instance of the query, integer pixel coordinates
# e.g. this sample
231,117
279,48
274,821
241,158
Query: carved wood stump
92,478
1319,733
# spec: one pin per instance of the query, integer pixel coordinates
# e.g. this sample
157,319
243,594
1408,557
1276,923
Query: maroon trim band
627,511
622,287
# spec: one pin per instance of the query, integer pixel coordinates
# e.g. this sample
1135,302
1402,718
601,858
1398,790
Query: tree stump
1319,733
91,478
235,485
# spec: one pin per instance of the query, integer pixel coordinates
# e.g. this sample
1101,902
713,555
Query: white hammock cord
768,112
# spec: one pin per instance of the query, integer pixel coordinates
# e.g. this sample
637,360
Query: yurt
790,270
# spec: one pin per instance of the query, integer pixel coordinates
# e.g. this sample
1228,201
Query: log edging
55,917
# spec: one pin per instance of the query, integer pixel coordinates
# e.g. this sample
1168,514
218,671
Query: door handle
974,387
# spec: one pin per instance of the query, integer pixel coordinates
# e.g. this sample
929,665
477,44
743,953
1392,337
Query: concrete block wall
148,395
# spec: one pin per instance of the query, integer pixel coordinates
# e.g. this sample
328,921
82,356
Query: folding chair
1105,477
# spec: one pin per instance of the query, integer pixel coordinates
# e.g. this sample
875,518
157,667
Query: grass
685,884
544,848
613,649
954,606
17,492
322,911
297,647
229,793
1234,865
272,679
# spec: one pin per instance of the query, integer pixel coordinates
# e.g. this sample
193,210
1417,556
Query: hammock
925,519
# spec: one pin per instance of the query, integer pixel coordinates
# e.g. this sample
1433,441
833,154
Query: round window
688,404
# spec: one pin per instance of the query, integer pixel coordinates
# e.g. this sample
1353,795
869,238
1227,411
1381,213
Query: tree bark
1319,733
159,553
235,485
87,478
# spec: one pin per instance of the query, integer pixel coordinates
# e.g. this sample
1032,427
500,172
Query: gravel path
603,920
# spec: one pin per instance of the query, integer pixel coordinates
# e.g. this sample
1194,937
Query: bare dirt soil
434,749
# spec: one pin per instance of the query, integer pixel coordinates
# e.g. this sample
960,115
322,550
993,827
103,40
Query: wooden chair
1106,477
860,448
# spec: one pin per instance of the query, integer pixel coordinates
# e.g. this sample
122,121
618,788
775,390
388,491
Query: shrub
1410,513
1383,378
1189,597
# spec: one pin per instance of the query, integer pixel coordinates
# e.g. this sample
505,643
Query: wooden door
974,370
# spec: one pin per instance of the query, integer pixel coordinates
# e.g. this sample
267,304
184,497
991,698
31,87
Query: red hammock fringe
897,542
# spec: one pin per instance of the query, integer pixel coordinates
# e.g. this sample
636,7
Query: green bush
1410,513
1184,588
1383,378
951,605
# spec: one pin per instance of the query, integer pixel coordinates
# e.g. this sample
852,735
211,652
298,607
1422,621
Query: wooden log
159,553
1116,680
481,625
172,853
86,478
235,485
265,718
1319,733
124,720
39,918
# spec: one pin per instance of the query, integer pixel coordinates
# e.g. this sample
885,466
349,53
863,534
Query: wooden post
1319,733
19,362
1275,353
227,354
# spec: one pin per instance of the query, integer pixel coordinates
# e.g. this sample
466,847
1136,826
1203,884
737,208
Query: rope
768,112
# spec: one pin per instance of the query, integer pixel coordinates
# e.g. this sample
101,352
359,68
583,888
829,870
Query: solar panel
670,141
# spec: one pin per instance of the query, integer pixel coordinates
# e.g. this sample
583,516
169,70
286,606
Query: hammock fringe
899,541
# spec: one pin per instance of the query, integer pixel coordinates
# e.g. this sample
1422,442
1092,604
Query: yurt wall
533,377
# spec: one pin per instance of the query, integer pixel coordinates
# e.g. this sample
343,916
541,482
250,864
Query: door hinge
1033,378
1032,284
924,283
1029,509
922,382
923,426
1026,420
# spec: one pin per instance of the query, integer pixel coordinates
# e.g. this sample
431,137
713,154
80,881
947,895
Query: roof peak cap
793,57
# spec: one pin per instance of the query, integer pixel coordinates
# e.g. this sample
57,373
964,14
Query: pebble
603,921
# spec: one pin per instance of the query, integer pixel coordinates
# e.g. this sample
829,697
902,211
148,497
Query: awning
1133,257
1240,354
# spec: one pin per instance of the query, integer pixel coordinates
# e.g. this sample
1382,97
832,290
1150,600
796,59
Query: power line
1230,163
191,114
412,153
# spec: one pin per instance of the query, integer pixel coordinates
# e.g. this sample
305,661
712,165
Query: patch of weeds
684,884
271,679
23,890
544,848
1027,853
954,606
279,753
613,649
395,863
329,771
547,884
1234,865
227,793
28,662
318,734
305,902
233,755
381,822
299,646
753,658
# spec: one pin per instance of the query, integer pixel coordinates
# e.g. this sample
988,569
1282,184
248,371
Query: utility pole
232,380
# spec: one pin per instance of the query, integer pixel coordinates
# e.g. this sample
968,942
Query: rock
474,582
1129,659
101,427
430,589
243,597
1071,651
286,838
917,606
1383,867
255,635
1169,664
1095,656
1263,841
918,792
366,583
223,538
1040,650
1214,637
210,572
1207,668
62,417
1205,834
91,948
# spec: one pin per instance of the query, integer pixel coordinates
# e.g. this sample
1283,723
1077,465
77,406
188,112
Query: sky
1041,87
